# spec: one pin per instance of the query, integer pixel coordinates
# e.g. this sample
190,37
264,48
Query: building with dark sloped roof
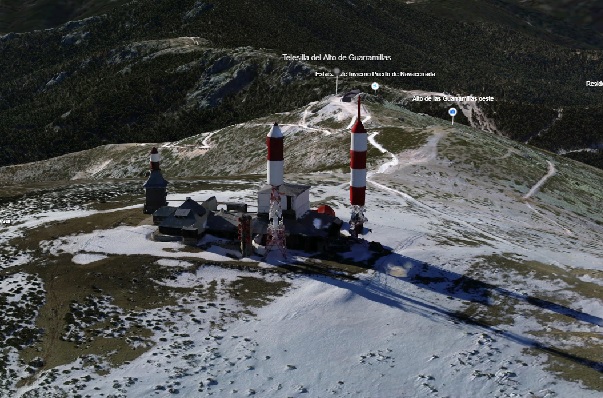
307,230
223,224
190,204
189,214
162,213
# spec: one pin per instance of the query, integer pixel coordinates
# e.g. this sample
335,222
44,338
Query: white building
295,200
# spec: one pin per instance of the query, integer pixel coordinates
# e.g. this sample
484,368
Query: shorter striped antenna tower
155,186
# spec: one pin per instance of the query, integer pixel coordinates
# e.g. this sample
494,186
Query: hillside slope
489,284
128,75
25,16
571,23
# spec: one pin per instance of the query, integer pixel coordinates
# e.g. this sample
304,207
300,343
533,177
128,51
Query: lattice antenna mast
276,229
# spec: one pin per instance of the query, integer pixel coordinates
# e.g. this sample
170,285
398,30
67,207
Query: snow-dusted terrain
492,286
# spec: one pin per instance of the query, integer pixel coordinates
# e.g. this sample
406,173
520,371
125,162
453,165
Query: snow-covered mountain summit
492,286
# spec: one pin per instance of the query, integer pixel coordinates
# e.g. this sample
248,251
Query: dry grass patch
582,364
568,337
256,292
80,225
128,280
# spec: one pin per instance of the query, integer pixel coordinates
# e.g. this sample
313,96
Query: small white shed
295,199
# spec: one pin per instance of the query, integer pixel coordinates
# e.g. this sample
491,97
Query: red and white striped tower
275,172
155,186
274,166
155,159
358,149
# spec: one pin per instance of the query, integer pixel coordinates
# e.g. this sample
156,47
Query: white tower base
357,220
276,228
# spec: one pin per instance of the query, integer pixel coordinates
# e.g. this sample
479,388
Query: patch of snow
57,79
167,262
376,332
591,307
87,258
587,278
19,227
565,152
127,240
202,276
14,286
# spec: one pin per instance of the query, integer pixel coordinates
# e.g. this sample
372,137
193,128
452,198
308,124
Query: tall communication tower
275,175
358,148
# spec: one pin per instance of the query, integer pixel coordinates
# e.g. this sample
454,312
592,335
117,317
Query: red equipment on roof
325,209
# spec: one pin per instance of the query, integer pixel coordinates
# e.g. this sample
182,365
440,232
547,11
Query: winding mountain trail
392,163
508,154
534,190
431,149
546,129
428,153
303,122
565,230
425,154
205,142
552,171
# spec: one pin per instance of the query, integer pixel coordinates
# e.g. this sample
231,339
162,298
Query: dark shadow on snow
469,289
461,287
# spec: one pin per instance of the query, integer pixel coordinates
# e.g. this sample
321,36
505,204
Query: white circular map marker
452,112
375,87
